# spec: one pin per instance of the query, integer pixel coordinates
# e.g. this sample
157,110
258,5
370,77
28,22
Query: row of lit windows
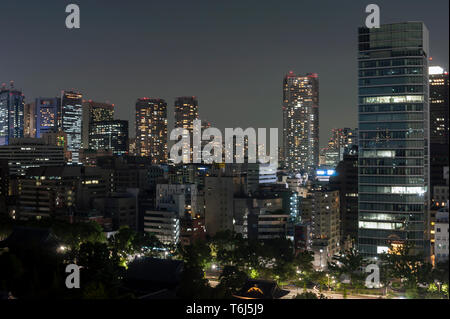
391,180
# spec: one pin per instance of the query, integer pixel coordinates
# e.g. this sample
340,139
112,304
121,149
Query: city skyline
102,189
243,75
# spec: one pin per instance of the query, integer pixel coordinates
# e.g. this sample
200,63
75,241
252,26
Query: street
293,291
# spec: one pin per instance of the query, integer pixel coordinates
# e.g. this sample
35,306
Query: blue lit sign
329,172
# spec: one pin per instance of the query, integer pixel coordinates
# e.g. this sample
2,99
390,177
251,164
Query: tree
402,263
94,290
304,261
320,278
284,270
347,263
224,247
306,295
197,254
73,235
193,284
146,243
99,268
278,259
386,276
232,279
309,295
440,272
29,272
248,254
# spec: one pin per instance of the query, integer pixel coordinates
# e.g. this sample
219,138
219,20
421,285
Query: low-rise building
58,191
24,153
165,225
219,194
192,229
322,210
263,224
120,207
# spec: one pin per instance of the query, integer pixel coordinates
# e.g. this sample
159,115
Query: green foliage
73,235
232,279
94,290
197,255
194,284
403,264
253,273
304,261
432,288
39,272
348,263
226,246
306,295
444,289
30,273
440,272
412,293
345,293
309,295
127,243
145,243
320,278
99,269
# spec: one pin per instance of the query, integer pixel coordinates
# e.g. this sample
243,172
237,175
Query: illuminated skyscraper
151,129
29,120
186,111
94,112
343,138
439,154
393,137
48,115
71,106
109,135
301,122
11,113
341,142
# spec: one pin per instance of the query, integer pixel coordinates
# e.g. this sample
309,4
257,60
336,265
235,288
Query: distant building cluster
382,183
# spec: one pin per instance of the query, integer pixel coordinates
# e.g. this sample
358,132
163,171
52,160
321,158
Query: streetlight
61,249
321,266
328,277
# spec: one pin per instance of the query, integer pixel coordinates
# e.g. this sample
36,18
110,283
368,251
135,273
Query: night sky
231,54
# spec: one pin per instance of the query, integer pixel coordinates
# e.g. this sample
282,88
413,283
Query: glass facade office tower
301,122
393,137
48,115
11,114
94,112
110,135
71,106
151,129
439,154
